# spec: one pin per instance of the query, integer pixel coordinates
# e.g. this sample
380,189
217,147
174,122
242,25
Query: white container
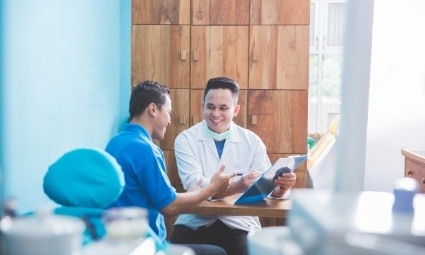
42,234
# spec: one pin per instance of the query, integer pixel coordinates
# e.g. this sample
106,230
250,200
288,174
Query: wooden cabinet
219,51
279,57
220,12
279,117
160,12
415,166
161,53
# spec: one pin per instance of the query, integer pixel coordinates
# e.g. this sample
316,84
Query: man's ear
152,109
237,110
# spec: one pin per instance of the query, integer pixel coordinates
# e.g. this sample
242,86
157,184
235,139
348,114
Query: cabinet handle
409,172
254,120
195,55
182,120
195,119
183,55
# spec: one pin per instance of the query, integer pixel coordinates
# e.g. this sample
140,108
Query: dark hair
223,83
145,93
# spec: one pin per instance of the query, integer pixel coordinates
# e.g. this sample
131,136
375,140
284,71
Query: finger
221,169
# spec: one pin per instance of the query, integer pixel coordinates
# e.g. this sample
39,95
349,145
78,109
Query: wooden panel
179,117
279,57
161,12
222,51
196,110
158,53
170,162
282,119
280,12
220,12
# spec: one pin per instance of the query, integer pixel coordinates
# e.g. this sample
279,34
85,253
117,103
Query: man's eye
209,107
224,108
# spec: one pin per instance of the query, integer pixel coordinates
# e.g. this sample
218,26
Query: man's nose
216,112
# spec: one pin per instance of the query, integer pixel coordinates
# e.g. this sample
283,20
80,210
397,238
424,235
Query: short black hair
223,83
145,93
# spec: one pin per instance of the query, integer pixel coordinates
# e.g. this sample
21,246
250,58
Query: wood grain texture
280,12
156,54
220,12
223,51
279,57
267,208
155,12
180,113
282,118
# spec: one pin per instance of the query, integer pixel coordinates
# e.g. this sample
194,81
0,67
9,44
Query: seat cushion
86,177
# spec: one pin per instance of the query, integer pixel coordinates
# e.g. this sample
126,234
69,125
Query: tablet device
264,185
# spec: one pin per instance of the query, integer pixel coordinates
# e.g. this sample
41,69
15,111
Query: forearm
188,200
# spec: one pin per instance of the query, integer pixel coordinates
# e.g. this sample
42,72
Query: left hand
286,181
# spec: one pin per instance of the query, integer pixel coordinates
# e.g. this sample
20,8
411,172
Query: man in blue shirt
142,161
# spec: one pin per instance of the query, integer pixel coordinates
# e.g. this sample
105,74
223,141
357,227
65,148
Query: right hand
246,180
219,181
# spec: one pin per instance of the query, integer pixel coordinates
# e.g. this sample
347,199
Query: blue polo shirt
146,182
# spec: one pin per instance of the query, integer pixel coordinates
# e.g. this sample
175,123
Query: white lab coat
197,157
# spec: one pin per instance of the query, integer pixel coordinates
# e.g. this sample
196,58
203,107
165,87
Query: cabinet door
179,117
280,12
220,12
196,110
219,51
279,117
160,12
279,57
161,53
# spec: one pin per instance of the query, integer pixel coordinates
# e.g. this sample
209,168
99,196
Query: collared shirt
146,181
197,157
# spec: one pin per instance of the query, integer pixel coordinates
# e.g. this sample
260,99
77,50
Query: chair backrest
84,181
320,151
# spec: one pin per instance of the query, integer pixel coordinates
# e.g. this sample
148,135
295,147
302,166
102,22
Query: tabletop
268,207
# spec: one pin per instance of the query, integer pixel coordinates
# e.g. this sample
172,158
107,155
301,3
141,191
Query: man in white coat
201,149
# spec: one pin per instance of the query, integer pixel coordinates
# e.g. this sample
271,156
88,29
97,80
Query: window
327,28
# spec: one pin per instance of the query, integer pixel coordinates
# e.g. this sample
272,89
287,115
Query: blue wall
65,75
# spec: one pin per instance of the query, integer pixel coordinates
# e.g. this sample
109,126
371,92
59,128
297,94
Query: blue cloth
220,145
146,181
84,181
86,177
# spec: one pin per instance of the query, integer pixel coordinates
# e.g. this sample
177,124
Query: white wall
65,75
396,117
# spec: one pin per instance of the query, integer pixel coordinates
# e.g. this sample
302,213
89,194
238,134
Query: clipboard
264,185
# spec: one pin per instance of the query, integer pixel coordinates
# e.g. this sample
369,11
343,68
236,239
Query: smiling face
162,119
219,109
